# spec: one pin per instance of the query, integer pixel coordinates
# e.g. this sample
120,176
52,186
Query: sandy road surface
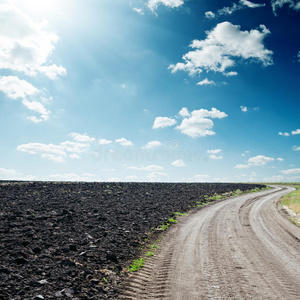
240,248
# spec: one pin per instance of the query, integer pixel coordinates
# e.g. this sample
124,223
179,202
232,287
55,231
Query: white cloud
244,108
201,177
251,4
184,112
290,171
296,148
280,3
131,177
37,107
57,153
243,4
297,131
178,163
8,171
161,122
150,168
241,166
73,177
124,142
283,133
152,144
138,10
155,175
75,156
81,137
153,4
298,56
231,73
206,82
210,15
213,156
259,160
104,142
225,43
199,124
74,147
214,151
280,159
25,45
16,88
275,178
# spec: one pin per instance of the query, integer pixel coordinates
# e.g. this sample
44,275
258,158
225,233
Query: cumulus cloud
57,153
178,163
81,137
296,148
161,122
150,168
184,112
16,88
283,133
241,166
244,108
297,131
153,4
290,171
206,82
104,142
199,123
280,159
124,142
152,144
25,45
223,45
259,160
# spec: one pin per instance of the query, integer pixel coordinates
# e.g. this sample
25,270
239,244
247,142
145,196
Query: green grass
149,253
179,214
163,227
292,200
172,220
136,265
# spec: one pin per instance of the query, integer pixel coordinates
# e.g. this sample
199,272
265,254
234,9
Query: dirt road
240,248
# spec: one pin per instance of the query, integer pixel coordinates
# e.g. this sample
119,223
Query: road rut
240,248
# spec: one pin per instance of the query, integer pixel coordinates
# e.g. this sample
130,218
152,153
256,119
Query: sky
150,90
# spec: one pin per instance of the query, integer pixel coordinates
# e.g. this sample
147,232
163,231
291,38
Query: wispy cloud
229,10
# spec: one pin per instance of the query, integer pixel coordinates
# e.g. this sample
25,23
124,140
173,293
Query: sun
39,8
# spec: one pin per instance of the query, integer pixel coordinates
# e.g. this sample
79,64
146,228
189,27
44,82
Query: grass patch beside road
292,200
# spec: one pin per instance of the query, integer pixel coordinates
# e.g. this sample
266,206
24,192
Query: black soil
73,240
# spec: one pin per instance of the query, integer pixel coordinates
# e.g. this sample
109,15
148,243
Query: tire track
240,248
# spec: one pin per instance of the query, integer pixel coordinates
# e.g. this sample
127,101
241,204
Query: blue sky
150,90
